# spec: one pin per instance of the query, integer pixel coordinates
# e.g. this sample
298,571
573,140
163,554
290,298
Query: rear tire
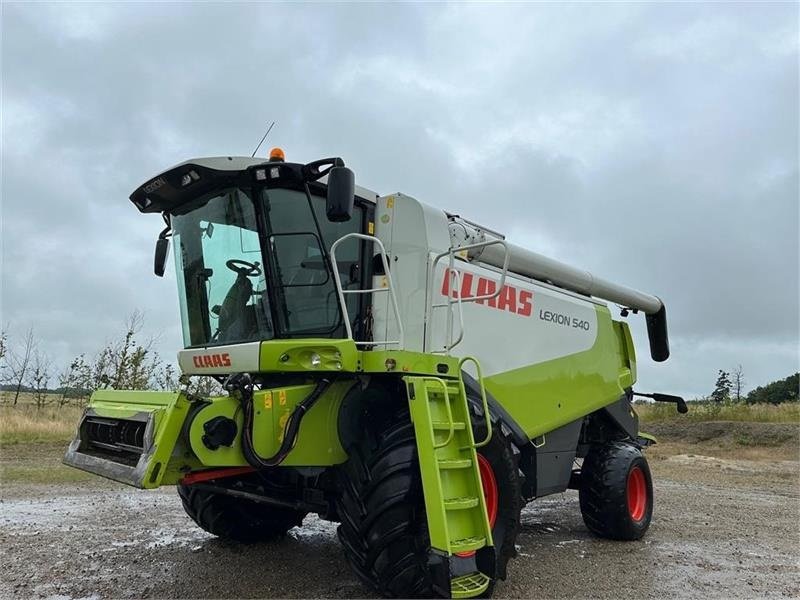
237,519
504,461
383,526
616,492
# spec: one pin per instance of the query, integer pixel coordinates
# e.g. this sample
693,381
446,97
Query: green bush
777,392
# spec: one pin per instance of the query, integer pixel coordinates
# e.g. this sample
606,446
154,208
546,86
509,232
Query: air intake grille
119,440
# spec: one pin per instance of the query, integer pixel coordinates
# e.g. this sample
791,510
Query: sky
655,145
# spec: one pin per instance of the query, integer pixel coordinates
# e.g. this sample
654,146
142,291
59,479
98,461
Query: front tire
237,519
383,523
616,492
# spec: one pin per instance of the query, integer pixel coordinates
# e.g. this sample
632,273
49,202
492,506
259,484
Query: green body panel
294,356
548,395
454,501
168,455
624,332
407,362
317,442
290,356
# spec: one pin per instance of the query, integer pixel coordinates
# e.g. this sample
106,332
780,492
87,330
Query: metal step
439,425
469,586
455,463
460,503
467,544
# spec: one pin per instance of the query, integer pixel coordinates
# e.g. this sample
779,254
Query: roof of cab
240,163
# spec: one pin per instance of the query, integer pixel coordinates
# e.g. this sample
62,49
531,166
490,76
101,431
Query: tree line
730,385
127,361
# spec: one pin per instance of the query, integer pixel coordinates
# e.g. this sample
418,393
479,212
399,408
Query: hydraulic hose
243,384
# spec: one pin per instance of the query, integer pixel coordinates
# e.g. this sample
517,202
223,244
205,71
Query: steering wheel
242,267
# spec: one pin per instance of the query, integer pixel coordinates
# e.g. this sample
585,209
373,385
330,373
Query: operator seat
235,320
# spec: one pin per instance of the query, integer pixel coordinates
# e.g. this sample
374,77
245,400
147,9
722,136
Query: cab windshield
221,282
233,289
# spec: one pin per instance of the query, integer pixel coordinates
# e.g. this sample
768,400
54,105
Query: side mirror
162,246
341,194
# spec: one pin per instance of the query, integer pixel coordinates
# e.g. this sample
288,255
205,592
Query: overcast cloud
655,145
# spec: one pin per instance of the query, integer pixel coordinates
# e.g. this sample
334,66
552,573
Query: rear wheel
383,522
237,519
616,493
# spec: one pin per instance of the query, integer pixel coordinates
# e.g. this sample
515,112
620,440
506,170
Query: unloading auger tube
532,264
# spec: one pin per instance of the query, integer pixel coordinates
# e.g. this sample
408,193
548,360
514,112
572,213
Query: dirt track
722,529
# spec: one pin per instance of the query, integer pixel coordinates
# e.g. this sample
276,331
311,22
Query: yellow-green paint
317,442
539,397
404,362
291,356
648,436
545,396
471,585
295,356
451,484
166,412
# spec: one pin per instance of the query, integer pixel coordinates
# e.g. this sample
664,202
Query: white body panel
552,322
526,324
220,360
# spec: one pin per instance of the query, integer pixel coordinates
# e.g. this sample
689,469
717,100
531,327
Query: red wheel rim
491,495
637,494
489,485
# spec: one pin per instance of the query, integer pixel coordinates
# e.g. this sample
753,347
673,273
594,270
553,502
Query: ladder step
467,544
436,392
446,426
460,503
454,463
469,586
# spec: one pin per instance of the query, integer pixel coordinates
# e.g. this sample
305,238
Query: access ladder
458,522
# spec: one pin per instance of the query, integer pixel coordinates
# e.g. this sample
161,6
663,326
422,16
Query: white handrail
390,289
451,253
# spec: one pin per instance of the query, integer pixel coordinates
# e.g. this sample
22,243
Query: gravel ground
721,529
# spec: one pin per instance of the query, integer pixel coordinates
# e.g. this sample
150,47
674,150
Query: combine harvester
389,366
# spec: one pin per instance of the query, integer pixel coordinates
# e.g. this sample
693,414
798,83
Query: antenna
262,139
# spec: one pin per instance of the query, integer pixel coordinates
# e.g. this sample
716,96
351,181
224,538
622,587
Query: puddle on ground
59,513
541,528
61,510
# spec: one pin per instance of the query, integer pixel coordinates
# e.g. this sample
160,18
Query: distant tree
203,386
3,354
19,363
737,383
74,380
39,375
777,392
165,378
127,363
722,389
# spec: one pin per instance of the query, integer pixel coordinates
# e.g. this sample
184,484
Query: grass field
25,423
707,411
33,440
